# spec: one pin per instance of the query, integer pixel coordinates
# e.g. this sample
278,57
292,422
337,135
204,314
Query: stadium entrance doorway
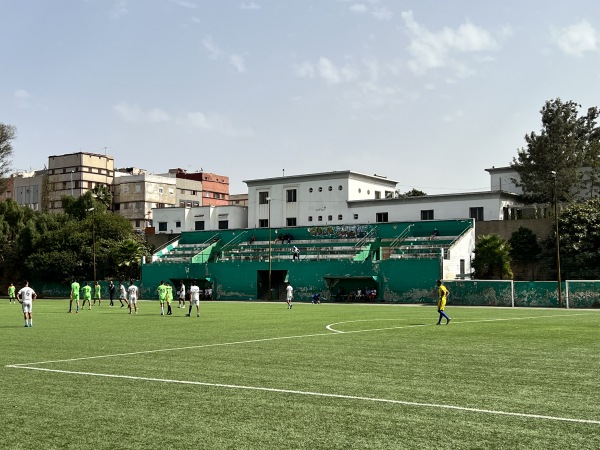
279,278
353,289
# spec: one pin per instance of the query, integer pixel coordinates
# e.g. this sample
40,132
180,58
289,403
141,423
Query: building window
355,216
381,217
377,195
389,194
138,188
320,218
262,198
291,195
310,218
330,188
138,223
476,213
263,223
310,189
162,226
223,224
320,189
160,190
178,224
427,214
340,187
462,266
290,221
171,191
117,206
329,218
340,217
199,225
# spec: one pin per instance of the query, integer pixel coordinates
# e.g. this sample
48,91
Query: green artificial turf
259,376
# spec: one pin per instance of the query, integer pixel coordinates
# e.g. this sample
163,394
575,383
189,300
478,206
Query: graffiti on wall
340,231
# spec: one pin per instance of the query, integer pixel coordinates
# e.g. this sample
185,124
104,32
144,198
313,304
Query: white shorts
27,307
133,301
196,302
289,298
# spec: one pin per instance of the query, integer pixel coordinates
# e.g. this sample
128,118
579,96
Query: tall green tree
7,134
568,145
579,235
492,258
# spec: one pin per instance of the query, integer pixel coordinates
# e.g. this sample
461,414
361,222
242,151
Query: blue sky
428,93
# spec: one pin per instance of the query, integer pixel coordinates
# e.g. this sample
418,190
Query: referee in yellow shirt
442,297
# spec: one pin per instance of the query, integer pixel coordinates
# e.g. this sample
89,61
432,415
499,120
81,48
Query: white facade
475,205
314,199
28,189
501,179
176,220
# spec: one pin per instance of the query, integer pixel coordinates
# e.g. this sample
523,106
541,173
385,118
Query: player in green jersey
97,289
162,296
12,298
74,295
87,295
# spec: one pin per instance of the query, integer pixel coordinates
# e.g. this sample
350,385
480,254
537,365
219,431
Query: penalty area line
318,394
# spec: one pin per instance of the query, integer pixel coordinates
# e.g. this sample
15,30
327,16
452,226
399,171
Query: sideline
322,394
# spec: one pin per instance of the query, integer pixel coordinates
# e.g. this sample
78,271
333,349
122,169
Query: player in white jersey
181,293
26,297
122,294
194,299
289,295
132,295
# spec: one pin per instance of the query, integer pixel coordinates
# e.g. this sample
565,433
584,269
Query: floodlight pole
269,202
93,210
559,287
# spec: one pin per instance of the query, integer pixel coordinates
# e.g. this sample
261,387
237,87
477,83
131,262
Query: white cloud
576,39
442,49
213,50
23,98
250,5
304,70
214,123
326,70
359,8
238,62
119,9
185,4
135,114
382,14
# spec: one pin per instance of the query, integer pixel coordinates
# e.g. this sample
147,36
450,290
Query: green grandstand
400,261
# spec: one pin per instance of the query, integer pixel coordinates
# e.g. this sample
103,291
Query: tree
492,258
525,251
7,134
579,233
568,145
412,193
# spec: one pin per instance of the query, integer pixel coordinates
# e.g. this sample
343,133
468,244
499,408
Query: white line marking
317,394
330,326
300,336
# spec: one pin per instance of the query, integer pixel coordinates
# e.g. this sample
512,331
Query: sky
427,93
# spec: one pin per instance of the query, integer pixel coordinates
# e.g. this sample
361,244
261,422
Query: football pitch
249,375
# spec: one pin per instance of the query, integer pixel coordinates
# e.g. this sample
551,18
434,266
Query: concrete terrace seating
422,246
310,249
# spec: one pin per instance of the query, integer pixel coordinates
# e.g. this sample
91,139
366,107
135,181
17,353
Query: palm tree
492,258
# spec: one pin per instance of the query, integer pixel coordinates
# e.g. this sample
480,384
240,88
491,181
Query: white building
176,220
313,199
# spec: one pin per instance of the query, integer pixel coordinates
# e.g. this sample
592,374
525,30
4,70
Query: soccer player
111,292
169,298
181,296
26,297
11,294
194,299
132,293
289,295
122,294
442,297
74,295
87,295
162,296
97,289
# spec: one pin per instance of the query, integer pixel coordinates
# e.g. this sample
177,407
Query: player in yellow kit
442,297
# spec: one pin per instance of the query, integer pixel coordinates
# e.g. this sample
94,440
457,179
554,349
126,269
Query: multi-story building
238,199
136,193
28,188
74,174
215,188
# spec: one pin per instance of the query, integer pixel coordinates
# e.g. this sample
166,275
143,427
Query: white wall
236,216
